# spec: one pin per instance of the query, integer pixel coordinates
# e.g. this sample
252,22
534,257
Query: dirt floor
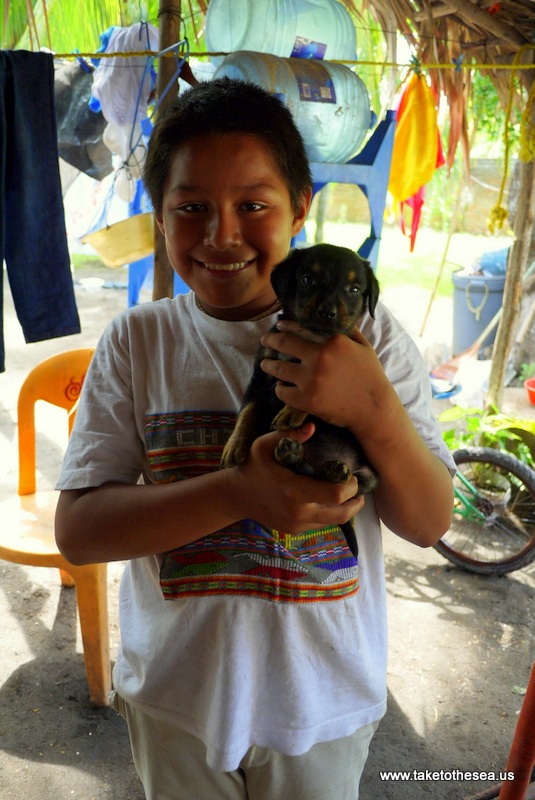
461,646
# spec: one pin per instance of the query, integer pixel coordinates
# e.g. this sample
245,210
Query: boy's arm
119,521
415,494
342,381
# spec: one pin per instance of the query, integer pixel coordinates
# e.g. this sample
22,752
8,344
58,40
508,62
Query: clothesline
457,66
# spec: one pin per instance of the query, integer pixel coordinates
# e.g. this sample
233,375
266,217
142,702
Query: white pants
172,765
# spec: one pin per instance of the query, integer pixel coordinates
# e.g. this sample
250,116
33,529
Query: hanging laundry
122,88
415,204
33,240
417,150
79,129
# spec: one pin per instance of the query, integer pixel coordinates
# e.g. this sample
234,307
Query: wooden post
323,202
516,265
169,30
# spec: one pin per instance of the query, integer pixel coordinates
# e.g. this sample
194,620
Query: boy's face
227,219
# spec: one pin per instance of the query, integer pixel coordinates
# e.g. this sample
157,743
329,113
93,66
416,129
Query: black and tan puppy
326,289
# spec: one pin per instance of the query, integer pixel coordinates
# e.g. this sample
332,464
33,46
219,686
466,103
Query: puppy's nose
327,312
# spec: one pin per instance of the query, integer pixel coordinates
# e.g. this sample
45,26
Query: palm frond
60,25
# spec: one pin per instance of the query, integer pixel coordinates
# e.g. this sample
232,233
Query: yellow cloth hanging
414,157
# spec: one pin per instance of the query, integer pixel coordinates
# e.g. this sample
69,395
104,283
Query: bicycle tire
502,539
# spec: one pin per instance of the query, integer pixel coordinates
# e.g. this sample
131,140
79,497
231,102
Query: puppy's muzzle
327,312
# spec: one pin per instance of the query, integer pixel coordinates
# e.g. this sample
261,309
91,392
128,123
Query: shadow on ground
461,647
53,744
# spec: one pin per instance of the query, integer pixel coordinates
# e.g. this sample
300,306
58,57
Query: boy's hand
340,380
278,498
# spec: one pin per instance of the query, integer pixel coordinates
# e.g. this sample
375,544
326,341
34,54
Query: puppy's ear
283,277
371,295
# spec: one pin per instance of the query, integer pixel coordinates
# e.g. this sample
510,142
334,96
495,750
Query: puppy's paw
288,418
237,448
235,452
335,472
289,453
368,480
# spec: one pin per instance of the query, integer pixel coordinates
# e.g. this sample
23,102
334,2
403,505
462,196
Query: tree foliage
487,109
69,25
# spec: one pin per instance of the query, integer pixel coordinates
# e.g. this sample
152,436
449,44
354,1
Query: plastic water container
329,102
287,28
476,299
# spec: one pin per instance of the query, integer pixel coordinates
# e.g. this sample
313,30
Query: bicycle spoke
493,527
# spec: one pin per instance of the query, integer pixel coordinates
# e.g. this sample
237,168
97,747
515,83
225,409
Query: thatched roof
484,32
478,32
494,28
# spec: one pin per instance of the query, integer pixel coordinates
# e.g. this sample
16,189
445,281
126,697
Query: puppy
326,289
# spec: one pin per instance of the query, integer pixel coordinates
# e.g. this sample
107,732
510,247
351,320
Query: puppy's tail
351,538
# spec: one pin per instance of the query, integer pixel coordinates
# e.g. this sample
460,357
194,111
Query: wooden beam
169,31
481,43
488,22
435,11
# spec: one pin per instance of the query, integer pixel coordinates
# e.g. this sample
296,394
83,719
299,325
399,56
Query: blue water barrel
286,28
329,102
476,299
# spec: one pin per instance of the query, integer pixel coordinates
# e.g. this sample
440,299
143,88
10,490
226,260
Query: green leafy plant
476,427
490,114
526,371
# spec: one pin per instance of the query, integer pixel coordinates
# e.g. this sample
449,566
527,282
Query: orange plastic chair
27,519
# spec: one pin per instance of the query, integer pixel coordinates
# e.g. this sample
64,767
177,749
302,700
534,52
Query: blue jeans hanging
33,240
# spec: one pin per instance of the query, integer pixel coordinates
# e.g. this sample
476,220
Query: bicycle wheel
493,526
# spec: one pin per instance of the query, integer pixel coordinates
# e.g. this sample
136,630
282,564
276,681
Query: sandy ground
460,645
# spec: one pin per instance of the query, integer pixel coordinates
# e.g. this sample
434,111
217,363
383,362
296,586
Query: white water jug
329,102
320,29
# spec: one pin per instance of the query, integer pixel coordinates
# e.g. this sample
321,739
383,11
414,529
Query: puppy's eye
354,290
307,280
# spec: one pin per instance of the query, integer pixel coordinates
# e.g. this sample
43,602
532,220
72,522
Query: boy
252,663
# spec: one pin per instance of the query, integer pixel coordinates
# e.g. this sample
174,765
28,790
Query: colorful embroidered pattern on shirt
245,558
187,443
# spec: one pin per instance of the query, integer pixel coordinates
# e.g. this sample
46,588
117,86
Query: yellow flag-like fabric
414,157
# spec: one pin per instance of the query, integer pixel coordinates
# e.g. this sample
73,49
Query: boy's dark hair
222,106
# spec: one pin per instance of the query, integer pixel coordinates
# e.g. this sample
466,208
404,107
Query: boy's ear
160,224
300,217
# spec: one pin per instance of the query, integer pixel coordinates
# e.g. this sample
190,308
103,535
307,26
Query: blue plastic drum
476,299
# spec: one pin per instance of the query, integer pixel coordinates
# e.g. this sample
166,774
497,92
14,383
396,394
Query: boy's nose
223,230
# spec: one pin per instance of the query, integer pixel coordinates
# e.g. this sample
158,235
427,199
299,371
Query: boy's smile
228,219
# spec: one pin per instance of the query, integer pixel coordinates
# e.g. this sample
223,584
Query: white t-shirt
247,636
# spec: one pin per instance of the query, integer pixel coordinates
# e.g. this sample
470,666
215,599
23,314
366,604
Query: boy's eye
252,206
192,207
